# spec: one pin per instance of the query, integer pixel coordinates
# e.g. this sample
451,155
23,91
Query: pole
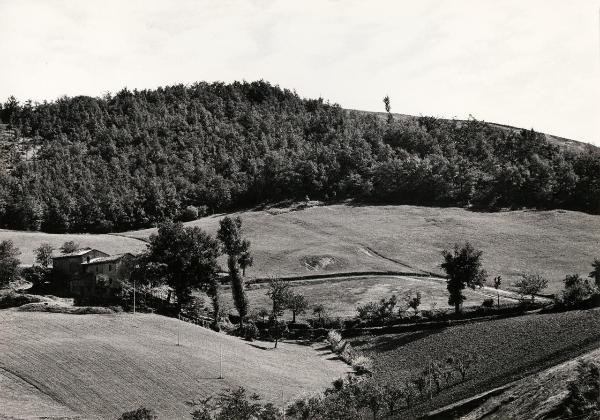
178,322
220,361
134,296
429,374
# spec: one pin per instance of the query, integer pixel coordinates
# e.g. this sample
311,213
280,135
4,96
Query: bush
189,213
384,309
139,414
13,299
577,289
583,399
362,364
250,331
334,339
36,275
530,285
488,302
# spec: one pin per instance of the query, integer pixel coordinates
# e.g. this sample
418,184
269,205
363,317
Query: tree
139,414
230,235
188,256
463,268
279,292
319,310
298,304
595,273
497,283
531,285
577,289
234,404
388,108
43,255
413,301
9,262
69,247
245,260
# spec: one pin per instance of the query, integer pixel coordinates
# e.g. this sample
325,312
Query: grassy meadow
505,350
345,238
99,366
341,296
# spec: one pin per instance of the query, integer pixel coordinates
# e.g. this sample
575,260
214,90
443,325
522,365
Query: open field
506,350
341,296
344,238
28,241
98,366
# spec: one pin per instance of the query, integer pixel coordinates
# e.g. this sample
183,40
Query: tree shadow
385,343
260,347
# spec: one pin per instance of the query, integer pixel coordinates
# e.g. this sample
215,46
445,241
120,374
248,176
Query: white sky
533,64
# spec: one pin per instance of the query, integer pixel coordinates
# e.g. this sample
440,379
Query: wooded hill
136,158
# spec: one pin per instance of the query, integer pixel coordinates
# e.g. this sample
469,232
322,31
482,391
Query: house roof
77,253
104,260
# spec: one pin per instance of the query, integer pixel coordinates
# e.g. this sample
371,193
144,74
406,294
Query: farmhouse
89,274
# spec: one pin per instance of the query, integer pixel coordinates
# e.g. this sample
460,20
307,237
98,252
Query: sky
532,64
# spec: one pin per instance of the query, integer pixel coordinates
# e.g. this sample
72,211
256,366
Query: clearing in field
98,366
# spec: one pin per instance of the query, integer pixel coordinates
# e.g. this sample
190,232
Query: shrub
334,338
250,331
577,289
189,213
13,299
362,364
488,302
413,301
367,311
382,310
531,285
583,399
139,414
36,275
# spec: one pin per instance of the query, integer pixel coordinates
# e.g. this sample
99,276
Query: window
109,267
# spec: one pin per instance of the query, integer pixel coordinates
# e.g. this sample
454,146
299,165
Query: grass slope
101,365
28,241
341,296
507,349
344,238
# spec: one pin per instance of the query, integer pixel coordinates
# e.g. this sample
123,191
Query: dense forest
136,158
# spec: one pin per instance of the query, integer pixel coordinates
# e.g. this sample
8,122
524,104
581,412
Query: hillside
505,350
534,397
346,238
563,143
136,158
97,366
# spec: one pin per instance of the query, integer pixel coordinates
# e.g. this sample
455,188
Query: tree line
138,158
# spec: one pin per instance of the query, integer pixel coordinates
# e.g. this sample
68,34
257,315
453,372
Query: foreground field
506,350
97,366
341,296
28,241
343,238
535,397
